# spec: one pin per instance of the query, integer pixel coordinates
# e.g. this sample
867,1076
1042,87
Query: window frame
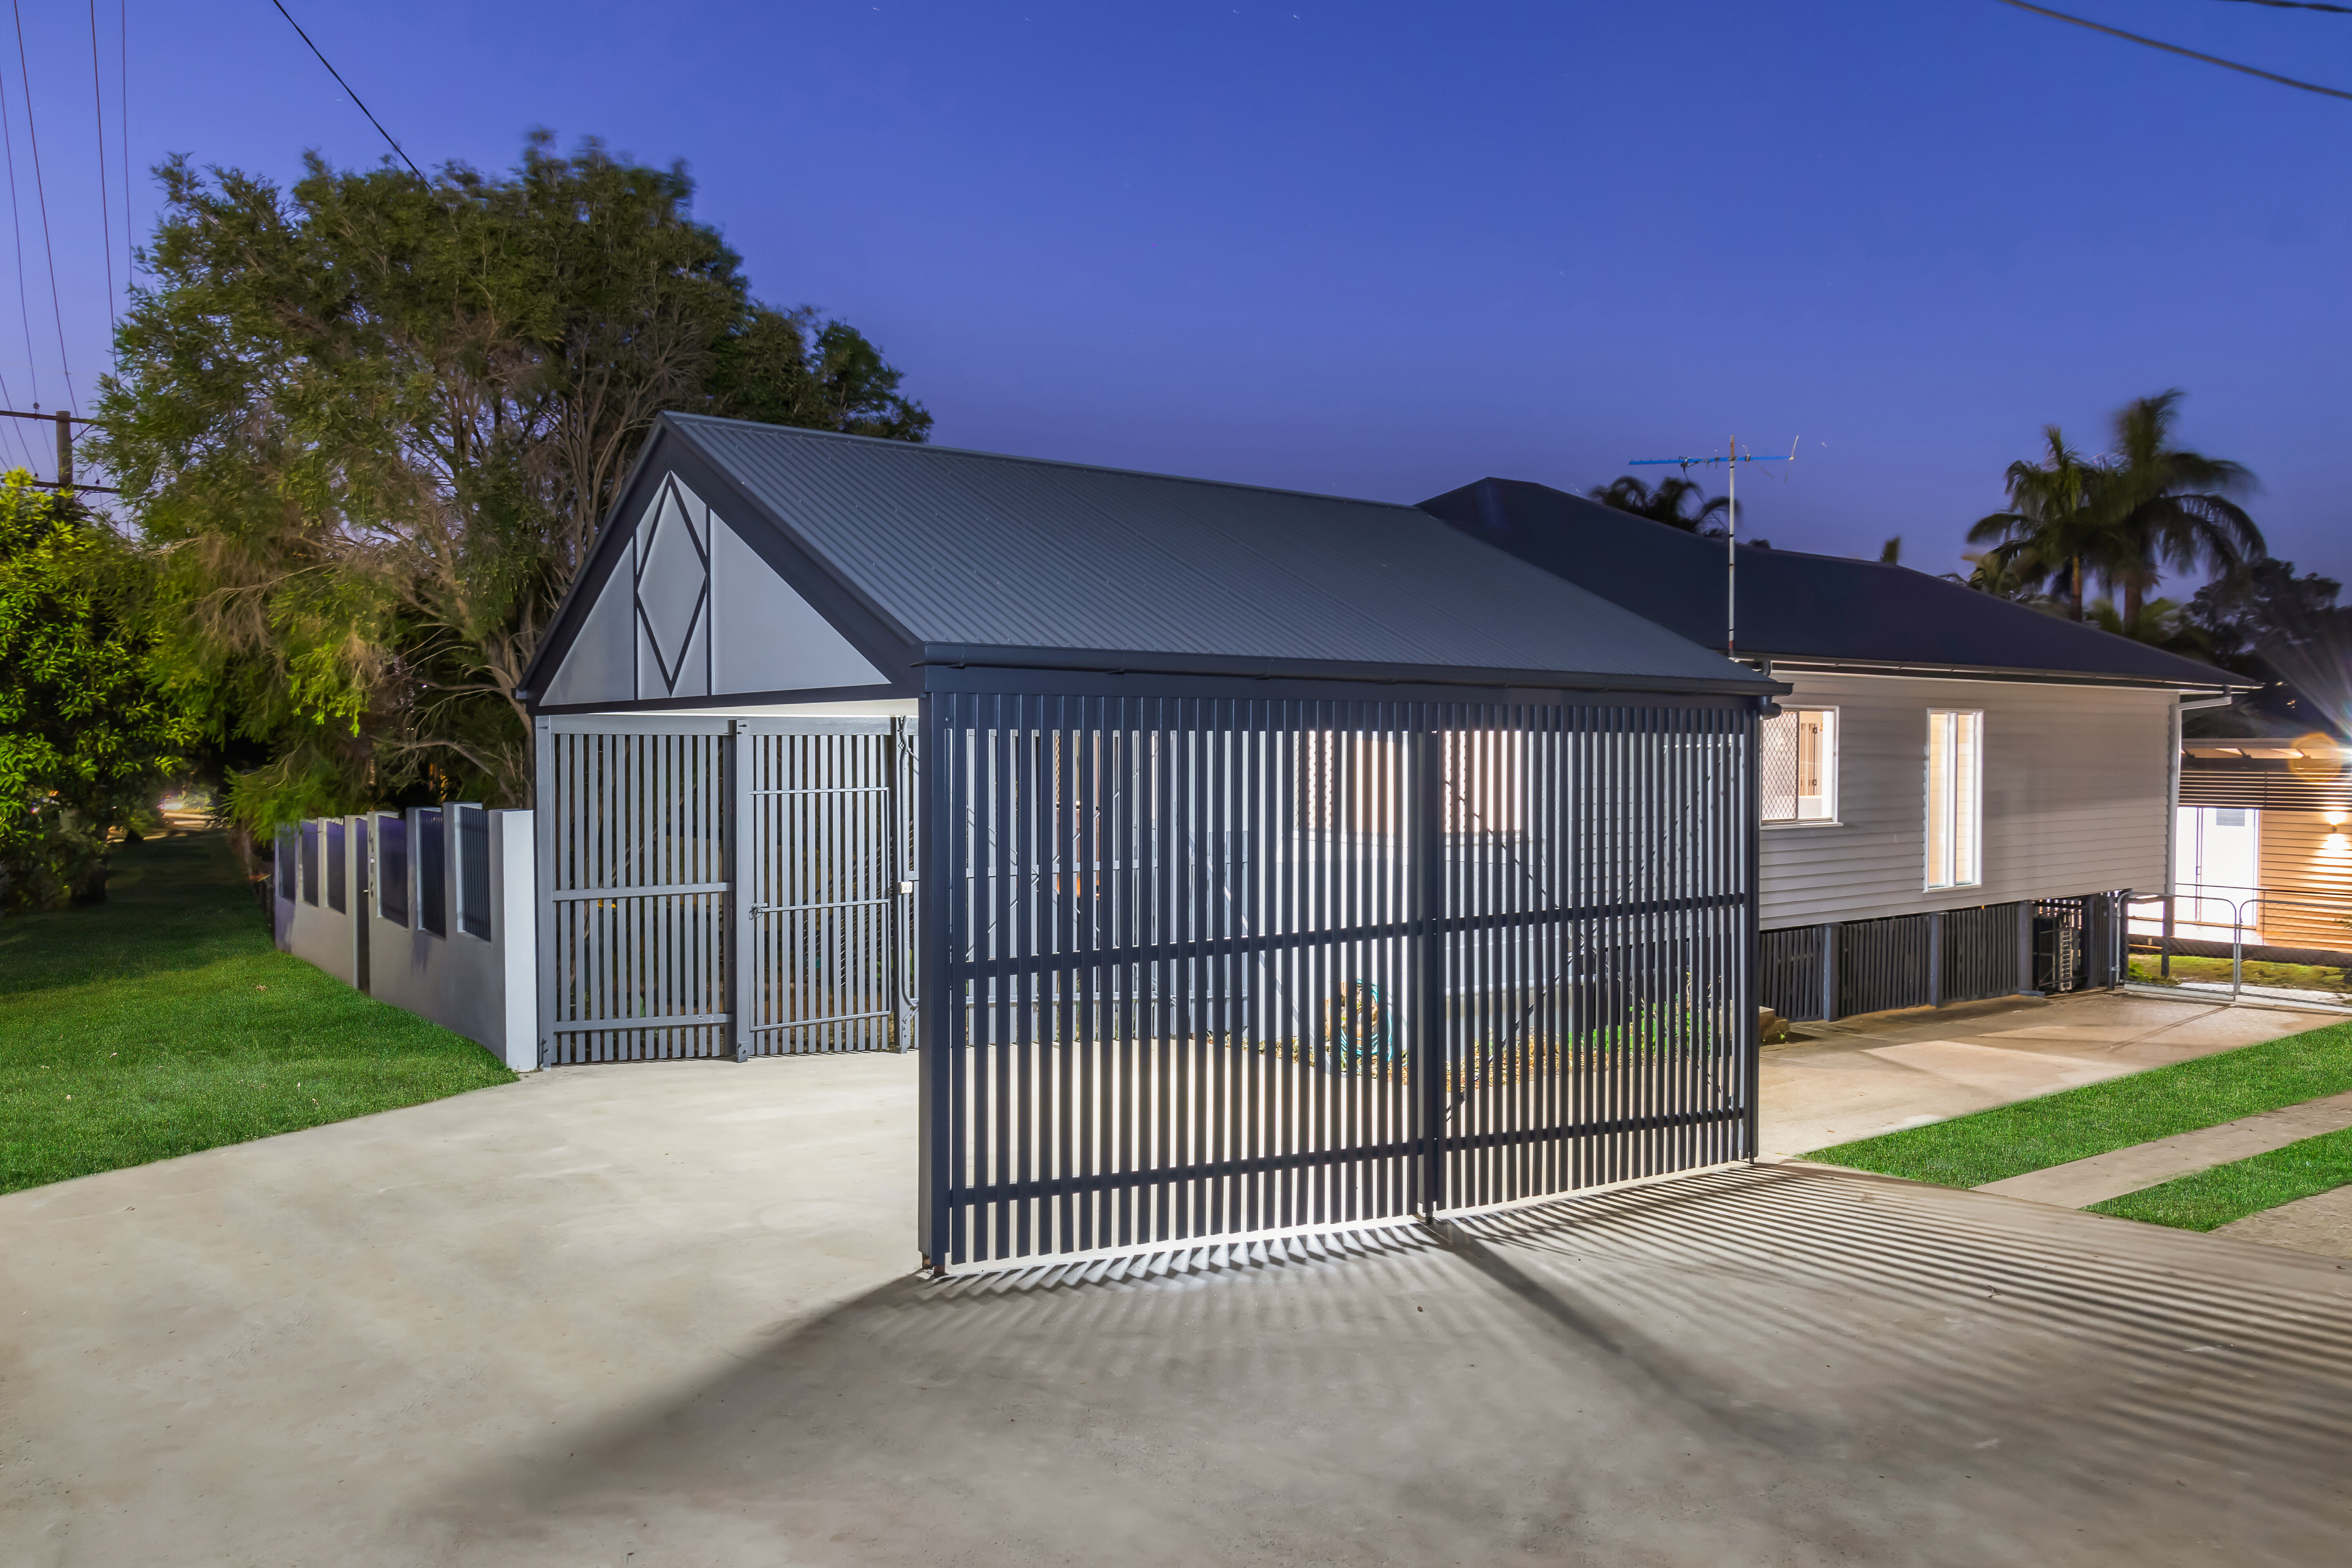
1952,790
1833,780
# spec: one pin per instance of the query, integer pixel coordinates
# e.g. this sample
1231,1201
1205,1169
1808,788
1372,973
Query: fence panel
1201,966
1980,956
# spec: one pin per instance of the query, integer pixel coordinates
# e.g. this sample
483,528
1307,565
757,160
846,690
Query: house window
1800,766
1954,799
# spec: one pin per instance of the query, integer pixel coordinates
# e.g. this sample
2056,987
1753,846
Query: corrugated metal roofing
976,551
1792,606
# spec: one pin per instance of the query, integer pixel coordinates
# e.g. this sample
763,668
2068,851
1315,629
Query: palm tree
2169,506
1663,503
2054,527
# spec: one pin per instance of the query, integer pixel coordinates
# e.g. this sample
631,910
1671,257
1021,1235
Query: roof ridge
801,430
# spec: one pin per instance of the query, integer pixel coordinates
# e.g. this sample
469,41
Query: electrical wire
23,305
2297,6
347,89
2177,49
105,210
41,190
123,109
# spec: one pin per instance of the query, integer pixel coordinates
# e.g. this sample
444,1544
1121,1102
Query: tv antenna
1731,522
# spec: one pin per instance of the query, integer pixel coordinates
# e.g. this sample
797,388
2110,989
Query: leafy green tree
87,736
368,425
1667,501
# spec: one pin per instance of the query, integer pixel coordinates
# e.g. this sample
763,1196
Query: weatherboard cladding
972,555
1794,606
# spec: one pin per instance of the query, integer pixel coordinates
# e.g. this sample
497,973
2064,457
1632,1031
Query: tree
2119,519
1664,502
368,425
2260,620
86,733
2054,527
2170,506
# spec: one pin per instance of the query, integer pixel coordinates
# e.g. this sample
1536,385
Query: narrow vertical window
1954,799
1798,765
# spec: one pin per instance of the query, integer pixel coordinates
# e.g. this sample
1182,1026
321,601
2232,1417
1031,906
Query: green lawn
2258,971
162,1022
2011,1140
2205,1199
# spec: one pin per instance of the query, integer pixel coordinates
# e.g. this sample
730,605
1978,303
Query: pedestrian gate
714,887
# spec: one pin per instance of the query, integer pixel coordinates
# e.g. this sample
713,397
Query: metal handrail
2238,923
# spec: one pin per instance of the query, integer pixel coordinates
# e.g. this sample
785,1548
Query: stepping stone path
2079,1183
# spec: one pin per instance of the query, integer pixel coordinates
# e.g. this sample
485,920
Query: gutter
2221,685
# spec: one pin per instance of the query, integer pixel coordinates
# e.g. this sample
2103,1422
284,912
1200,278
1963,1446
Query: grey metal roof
1794,607
977,556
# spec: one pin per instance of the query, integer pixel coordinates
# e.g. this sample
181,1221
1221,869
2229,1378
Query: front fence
1202,966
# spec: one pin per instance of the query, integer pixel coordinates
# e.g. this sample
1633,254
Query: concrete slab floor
1864,1077
658,1313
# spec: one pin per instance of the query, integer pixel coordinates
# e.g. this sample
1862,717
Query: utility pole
64,422
1730,527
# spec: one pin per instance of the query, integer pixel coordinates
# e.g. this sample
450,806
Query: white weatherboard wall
484,988
2077,795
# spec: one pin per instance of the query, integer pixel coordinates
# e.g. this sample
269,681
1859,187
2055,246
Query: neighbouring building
1958,791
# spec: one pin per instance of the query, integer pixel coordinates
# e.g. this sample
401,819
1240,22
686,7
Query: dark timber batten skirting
2036,946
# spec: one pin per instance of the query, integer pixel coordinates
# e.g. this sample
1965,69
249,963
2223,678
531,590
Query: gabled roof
930,555
1796,608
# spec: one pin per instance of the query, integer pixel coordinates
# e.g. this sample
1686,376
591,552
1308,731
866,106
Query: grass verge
2011,1140
164,1021
2204,1199
2258,971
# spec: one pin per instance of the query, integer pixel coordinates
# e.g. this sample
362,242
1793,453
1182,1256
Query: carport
1266,860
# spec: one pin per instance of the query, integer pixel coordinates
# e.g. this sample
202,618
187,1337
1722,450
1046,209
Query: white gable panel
601,665
768,638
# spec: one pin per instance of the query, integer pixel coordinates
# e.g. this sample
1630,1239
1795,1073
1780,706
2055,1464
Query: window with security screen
1797,765
1954,799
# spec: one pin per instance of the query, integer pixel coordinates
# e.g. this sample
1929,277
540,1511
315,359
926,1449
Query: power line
105,212
2177,49
122,109
16,222
41,190
347,89
2297,6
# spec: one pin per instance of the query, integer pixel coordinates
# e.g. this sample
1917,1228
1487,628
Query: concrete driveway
661,1314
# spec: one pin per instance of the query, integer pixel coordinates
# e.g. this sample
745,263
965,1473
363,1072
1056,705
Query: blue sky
1384,249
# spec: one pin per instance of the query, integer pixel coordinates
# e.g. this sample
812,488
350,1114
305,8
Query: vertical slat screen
1211,966
1789,972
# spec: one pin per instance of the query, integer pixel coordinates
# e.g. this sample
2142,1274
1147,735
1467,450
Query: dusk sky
1384,249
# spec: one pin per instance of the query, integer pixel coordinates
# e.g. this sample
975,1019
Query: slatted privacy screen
429,835
649,827
391,878
1201,966
1980,953
1883,964
1789,971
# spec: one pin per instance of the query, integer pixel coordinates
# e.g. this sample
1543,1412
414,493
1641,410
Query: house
1957,791
1276,858
2264,843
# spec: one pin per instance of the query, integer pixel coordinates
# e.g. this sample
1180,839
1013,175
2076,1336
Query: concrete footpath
2078,1184
1862,1076
660,1313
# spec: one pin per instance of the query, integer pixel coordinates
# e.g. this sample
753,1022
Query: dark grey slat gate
1215,966
649,827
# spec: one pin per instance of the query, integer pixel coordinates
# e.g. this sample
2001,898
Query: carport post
1428,1053
542,826
739,889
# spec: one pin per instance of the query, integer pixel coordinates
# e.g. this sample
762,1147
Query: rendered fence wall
477,981
1199,966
